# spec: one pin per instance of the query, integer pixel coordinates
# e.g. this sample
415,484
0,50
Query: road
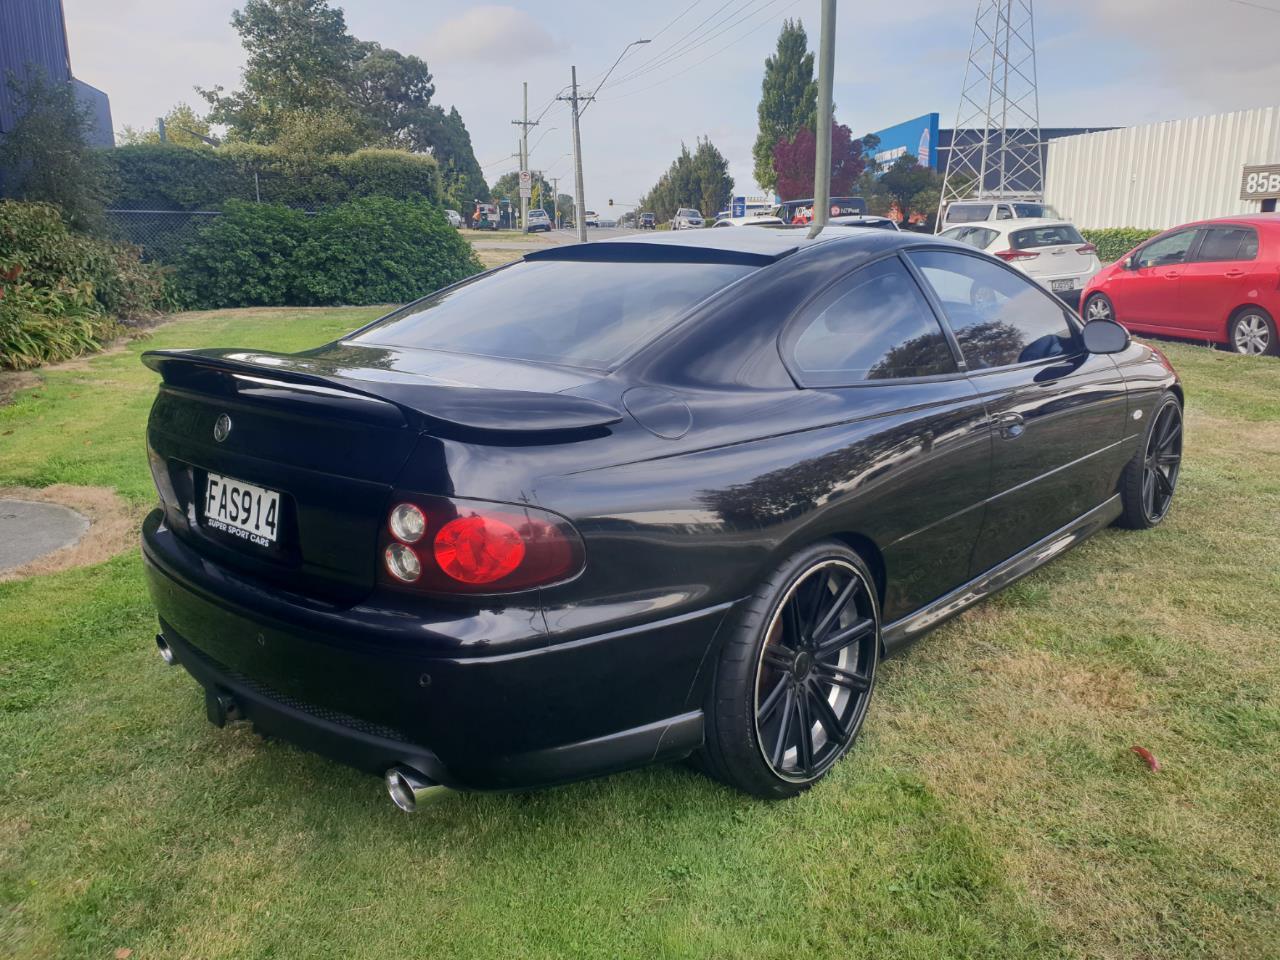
536,241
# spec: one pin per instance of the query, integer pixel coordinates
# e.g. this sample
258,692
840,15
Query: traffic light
611,201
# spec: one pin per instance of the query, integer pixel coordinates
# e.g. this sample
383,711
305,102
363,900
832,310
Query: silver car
687,219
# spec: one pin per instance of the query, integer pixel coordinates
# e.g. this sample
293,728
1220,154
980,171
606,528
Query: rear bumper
337,683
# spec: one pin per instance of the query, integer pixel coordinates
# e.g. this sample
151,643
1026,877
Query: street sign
526,184
739,206
1260,182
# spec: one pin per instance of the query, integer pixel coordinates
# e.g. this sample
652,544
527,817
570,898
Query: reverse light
407,522
451,545
1009,256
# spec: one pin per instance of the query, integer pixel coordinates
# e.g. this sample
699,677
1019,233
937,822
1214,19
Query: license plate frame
1063,286
245,511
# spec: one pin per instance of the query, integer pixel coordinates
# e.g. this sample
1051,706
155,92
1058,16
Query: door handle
1233,274
1171,274
1011,425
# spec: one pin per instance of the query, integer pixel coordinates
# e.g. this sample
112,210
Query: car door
908,463
1148,296
1057,412
1219,277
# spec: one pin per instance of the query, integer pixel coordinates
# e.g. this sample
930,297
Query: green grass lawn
992,808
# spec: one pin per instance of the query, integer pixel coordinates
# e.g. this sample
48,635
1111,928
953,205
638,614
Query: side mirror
1130,262
1104,336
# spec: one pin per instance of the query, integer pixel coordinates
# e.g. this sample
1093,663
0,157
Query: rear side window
1028,210
575,313
978,237
1045,237
999,317
1229,243
873,325
968,212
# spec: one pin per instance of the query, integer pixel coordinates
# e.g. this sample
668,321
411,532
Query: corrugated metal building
33,34
1163,174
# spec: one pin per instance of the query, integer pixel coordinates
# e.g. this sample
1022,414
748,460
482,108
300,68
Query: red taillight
478,549
1087,248
472,546
1012,255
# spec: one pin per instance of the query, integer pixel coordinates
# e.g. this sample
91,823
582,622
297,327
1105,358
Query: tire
1098,307
1252,332
1150,479
772,680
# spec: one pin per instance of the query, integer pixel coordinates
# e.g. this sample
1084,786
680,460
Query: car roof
1015,223
1266,220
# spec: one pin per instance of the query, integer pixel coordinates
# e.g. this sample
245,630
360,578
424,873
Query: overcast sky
1101,62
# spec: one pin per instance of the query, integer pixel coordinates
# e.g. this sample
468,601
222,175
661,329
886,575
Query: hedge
169,177
1114,242
63,293
370,250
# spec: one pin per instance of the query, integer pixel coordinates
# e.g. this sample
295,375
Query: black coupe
635,500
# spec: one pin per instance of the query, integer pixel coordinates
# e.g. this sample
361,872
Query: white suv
1051,252
687,219
974,211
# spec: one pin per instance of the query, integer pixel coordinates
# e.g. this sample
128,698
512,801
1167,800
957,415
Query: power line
693,66
676,43
1256,6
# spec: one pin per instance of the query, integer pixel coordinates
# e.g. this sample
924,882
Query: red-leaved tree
793,161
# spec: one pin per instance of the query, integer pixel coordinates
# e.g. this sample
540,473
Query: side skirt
901,632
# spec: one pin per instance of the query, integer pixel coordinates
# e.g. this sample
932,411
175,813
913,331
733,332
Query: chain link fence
163,235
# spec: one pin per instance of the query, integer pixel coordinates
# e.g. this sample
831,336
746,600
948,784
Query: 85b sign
1261,183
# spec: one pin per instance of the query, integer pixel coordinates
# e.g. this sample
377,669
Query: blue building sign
918,137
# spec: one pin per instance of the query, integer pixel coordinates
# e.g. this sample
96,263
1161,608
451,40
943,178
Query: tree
299,60
699,179
183,127
911,187
794,161
788,99
46,156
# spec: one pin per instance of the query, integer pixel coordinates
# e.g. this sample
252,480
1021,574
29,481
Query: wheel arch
1231,316
871,555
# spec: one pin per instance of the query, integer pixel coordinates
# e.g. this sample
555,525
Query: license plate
241,509
1061,286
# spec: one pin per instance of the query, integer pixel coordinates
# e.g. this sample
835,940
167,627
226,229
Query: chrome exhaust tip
408,788
166,651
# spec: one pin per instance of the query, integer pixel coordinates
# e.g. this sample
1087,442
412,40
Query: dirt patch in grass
496,258
11,381
113,527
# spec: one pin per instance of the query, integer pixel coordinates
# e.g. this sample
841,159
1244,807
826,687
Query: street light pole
822,153
524,125
579,202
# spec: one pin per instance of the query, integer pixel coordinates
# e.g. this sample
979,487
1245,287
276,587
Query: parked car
591,218
975,211
648,221
688,219
876,223
496,539
763,220
1052,252
454,218
800,211
537,220
485,217
1214,280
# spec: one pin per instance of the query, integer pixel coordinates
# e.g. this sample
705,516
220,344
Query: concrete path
29,530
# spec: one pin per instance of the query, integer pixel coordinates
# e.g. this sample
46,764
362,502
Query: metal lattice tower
995,146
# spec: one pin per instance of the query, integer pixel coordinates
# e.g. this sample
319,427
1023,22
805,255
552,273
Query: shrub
372,250
244,257
1114,242
51,256
168,177
43,324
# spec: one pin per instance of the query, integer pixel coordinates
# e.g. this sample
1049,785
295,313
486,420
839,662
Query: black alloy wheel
795,680
1152,476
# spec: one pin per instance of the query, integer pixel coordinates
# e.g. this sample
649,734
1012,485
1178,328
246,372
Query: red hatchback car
1216,280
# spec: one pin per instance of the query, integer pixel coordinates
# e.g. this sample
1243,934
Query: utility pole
822,153
555,201
524,125
579,203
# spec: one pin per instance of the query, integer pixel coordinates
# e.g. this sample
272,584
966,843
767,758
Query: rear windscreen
1045,237
968,212
576,313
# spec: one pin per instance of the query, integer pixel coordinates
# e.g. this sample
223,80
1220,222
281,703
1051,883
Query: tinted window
580,314
1037,210
1167,250
1229,243
874,325
1045,237
999,317
979,237
968,212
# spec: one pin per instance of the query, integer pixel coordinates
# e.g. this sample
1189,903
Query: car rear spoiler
426,405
